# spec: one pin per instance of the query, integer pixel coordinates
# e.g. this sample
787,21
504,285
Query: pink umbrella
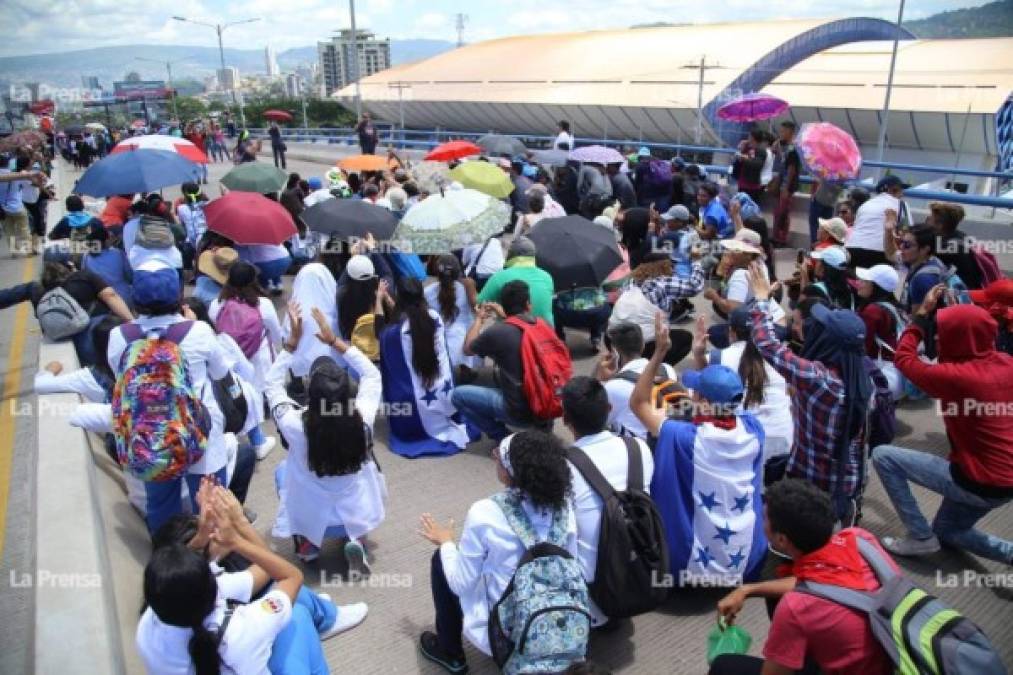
180,146
829,152
752,107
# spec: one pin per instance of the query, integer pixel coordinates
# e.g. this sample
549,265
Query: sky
63,25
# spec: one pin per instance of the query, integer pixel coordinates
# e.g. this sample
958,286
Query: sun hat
215,263
745,241
836,228
883,276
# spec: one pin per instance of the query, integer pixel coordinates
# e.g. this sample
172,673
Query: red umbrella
180,146
453,150
277,115
249,218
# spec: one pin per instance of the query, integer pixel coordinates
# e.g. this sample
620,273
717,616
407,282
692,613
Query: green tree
190,107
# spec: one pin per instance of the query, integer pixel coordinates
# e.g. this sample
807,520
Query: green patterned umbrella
255,177
444,222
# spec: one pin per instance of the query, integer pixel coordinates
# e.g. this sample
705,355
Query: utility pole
354,61
881,147
703,68
461,19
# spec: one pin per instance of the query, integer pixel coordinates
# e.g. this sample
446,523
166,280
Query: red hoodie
974,384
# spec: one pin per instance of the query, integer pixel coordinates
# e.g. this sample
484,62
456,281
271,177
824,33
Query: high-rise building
271,61
293,85
336,58
228,78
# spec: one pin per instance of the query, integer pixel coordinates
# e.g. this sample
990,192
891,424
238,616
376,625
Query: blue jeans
271,270
817,211
242,474
296,649
84,343
164,499
484,408
960,510
594,319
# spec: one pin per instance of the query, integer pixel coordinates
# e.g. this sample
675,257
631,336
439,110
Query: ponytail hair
753,371
203,648
412,305
448,271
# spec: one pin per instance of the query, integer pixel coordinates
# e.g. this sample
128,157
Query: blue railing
425,139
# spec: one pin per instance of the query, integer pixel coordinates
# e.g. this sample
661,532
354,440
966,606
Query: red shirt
879,323
838,639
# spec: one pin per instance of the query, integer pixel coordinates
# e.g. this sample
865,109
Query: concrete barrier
76,624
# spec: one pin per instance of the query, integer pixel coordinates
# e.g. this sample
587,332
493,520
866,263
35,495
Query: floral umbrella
752,107
829,152
597,154
431,177
452,220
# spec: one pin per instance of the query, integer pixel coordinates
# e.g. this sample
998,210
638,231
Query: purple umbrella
597,154
752,107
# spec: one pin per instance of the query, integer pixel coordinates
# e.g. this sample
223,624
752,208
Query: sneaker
429,645
265,448
305,550
251,515
349,616
355,554
908,546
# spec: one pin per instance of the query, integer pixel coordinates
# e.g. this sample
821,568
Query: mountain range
108,64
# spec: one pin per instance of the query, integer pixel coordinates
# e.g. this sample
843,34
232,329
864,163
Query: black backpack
632,551
231,401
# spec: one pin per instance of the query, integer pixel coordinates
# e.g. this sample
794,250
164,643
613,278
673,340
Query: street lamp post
355,60
881,145
219,28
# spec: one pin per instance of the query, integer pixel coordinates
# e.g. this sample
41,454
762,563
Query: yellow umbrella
484,177
363,163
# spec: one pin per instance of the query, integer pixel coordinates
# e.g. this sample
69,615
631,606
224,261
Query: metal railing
426,139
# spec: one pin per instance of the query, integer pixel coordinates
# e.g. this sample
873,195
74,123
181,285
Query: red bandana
838,563
726,422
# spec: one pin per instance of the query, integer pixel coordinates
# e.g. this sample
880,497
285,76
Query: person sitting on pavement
924,269
520,266
188,624
107,259
868,238
454,296
954,248
831,392
997,299
616,369
879,309
491,409
213,267
807,632
585,414
468,578
708,478
974,384
829,280
765,391
327,490
76,227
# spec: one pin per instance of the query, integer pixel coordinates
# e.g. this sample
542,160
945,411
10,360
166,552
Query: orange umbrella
363,163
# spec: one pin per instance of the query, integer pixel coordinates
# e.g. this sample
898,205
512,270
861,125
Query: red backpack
547,367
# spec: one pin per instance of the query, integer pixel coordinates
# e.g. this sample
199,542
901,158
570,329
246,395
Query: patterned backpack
542,622
160,423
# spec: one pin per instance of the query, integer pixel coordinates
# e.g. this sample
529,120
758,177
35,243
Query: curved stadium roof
644,83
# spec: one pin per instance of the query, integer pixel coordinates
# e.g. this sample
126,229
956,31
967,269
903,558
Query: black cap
890,182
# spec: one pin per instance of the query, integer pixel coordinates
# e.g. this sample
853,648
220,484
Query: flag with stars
707,484
422,419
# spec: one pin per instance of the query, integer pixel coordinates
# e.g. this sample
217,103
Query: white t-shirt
561,138
205,357
738,289
867,232
245,648
492,259
775,411
621,419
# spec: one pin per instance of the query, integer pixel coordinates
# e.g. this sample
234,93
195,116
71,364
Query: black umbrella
495,144
74,130
575,251
350,218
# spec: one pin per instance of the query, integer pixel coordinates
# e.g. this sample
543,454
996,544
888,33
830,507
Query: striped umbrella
180,146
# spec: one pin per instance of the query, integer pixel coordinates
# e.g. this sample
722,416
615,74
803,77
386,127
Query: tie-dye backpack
160,423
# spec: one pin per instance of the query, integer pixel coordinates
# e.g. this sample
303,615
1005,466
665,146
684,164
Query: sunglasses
906,244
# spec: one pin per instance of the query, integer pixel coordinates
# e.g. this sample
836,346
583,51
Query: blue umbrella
139,171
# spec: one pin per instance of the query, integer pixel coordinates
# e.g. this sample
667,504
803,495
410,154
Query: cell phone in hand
800,256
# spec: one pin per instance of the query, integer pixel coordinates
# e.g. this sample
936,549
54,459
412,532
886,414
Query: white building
336,58
293,85
271,62
228,77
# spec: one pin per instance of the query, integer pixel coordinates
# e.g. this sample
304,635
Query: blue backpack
542,622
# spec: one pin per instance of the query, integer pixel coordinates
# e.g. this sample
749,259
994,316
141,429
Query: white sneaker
265,448
909,546
355,554
349,616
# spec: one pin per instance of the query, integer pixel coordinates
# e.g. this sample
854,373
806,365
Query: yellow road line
12,383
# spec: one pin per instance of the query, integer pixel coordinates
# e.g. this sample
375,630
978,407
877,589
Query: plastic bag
725,639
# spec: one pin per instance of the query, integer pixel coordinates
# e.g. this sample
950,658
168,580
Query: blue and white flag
422,419
708,484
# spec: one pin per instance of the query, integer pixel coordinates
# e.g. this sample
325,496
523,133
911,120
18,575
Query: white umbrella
444,222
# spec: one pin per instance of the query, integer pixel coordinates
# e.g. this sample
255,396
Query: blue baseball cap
716,383
315,183
846,327
832,256
156,287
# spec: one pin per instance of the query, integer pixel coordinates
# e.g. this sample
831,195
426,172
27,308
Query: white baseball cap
883,276
360,268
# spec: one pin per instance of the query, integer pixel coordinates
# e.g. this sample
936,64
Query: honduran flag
708,487
422,419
